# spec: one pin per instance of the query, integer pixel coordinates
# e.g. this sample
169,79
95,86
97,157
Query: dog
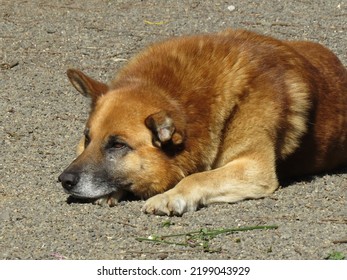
210,118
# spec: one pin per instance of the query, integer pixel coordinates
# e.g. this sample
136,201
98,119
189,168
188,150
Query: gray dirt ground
42,118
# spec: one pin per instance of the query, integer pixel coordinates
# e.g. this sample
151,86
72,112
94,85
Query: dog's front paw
168,204
110,199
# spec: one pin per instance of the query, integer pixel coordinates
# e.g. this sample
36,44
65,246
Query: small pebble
231,8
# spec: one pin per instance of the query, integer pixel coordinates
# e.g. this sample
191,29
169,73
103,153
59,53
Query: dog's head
130,142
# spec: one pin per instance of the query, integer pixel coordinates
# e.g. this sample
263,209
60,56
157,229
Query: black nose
69,179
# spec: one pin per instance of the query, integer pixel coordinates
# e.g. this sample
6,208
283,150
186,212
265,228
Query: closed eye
114,143
117,145
86,137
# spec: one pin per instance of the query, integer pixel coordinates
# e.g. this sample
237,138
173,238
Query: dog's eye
118,145
86,137
86,140
115,144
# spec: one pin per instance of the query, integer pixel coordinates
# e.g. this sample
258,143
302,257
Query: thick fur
210,118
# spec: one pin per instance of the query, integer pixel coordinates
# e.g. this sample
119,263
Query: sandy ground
42,118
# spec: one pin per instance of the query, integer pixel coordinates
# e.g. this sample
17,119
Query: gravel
42,118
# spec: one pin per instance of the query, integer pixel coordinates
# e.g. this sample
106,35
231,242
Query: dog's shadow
75,200
308,178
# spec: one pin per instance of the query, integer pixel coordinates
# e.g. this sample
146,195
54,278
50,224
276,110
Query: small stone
231,8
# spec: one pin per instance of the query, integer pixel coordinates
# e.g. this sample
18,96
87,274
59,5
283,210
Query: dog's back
324,147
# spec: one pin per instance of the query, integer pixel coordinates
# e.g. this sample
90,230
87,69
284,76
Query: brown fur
211,118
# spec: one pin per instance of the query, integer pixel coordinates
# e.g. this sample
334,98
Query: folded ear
165,133
86,85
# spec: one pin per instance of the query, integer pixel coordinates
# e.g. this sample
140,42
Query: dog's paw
109,200
168,204
106,201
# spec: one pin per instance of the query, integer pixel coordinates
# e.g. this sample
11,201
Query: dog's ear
86,85
165,133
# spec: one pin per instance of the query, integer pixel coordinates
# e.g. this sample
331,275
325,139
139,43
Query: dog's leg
243,178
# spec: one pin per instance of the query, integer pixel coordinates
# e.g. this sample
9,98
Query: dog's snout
69,179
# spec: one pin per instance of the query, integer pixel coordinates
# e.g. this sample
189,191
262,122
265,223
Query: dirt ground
42,118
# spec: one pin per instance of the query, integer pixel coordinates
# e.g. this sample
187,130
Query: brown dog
210,118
